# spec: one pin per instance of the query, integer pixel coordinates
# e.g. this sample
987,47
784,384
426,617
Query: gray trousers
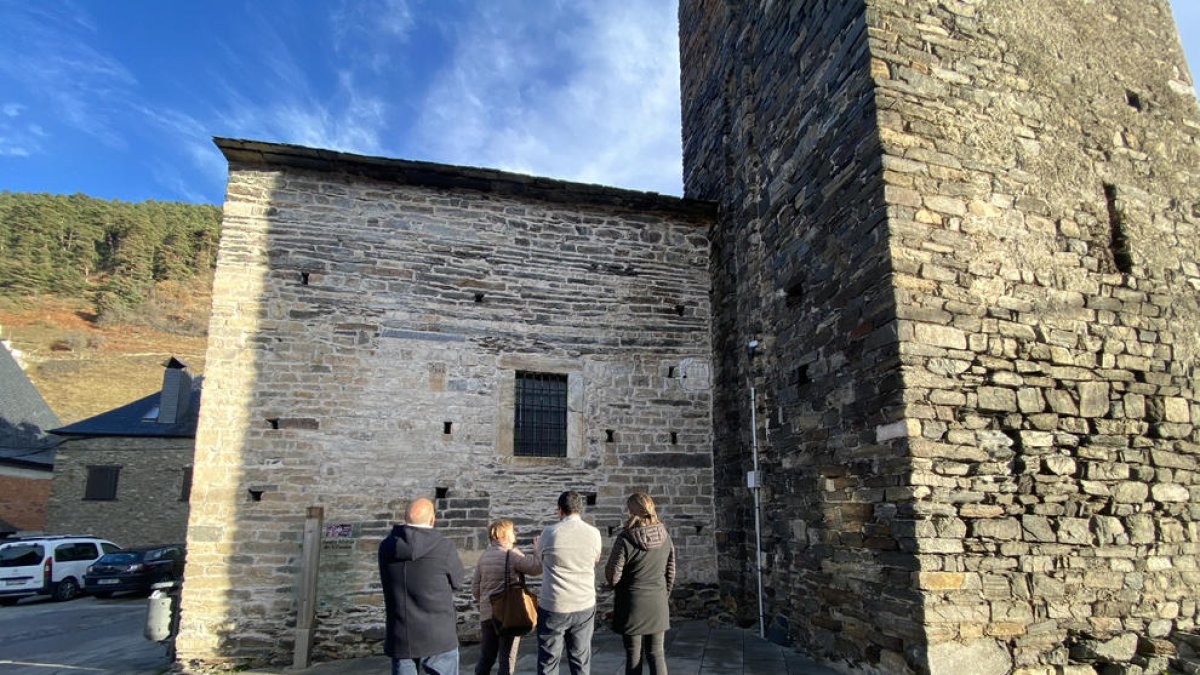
573,628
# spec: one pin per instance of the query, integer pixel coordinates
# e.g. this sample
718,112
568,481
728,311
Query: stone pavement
693,648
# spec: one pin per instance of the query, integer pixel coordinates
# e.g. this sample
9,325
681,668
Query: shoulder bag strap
520,575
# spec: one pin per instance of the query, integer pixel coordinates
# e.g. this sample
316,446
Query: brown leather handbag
514,609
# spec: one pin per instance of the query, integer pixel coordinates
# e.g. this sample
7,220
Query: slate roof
131,420
25,419
449,176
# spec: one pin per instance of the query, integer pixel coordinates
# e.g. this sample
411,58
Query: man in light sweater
569,551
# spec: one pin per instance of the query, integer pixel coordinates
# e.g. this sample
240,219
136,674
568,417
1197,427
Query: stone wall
25,493
978,393
148,509
368,319
1042,169
801,263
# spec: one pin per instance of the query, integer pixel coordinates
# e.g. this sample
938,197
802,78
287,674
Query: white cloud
45,46
191,137
286,106
599,103
370,32
10,147
17,140
12,109
350,121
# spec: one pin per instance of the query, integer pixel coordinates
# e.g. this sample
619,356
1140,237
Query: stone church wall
365,334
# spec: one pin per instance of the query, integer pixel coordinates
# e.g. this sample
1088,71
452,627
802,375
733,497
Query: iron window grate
540,426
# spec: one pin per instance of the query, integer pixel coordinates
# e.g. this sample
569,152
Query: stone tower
965,232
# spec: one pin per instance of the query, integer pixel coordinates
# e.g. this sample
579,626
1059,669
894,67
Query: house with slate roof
26,450
126,474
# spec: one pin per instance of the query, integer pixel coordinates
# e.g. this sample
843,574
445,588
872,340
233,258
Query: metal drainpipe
754,482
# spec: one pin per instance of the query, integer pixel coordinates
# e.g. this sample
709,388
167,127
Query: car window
75,552
119,558
20,555
109,548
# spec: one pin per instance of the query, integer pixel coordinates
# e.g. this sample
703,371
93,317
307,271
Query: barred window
101,482
540,424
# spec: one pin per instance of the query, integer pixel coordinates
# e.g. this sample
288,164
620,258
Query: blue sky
120,98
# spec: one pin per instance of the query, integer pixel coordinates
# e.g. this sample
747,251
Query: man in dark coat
420,571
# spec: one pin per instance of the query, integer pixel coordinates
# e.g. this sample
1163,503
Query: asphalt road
79,637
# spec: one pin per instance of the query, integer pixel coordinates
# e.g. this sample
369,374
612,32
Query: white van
52,565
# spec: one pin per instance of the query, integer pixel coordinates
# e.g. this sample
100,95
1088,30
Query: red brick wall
23,501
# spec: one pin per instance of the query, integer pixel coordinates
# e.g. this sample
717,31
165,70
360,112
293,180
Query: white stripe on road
6,662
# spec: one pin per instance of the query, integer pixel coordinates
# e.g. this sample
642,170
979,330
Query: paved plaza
693,648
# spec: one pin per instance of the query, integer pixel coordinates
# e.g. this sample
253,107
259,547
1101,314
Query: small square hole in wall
699,529
255,495
273,422
674,438
479,297
610,530
608,435
447,427
794,293
1133,99
679,309
671,372
801,376
441,493
304,278
590,498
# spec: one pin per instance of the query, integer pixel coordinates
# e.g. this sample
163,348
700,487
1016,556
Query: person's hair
420,512
641,511
570,503
499,528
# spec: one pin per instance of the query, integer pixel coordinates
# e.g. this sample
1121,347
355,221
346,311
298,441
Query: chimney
176,396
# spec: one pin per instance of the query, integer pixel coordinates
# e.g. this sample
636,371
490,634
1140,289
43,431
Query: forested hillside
95,295
112,252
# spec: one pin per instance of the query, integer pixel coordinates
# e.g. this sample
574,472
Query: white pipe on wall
754,482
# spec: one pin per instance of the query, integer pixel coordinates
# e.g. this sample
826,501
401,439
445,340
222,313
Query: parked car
53,565
133,570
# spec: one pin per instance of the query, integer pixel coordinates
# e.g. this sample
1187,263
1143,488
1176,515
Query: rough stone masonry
966,233
368,321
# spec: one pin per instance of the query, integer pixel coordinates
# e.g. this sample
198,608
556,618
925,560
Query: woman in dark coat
641,569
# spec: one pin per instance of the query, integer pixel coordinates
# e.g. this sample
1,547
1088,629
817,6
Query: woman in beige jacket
489,579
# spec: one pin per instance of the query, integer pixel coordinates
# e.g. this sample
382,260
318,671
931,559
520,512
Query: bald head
420,512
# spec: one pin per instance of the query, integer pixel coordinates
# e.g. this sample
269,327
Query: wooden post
310,563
